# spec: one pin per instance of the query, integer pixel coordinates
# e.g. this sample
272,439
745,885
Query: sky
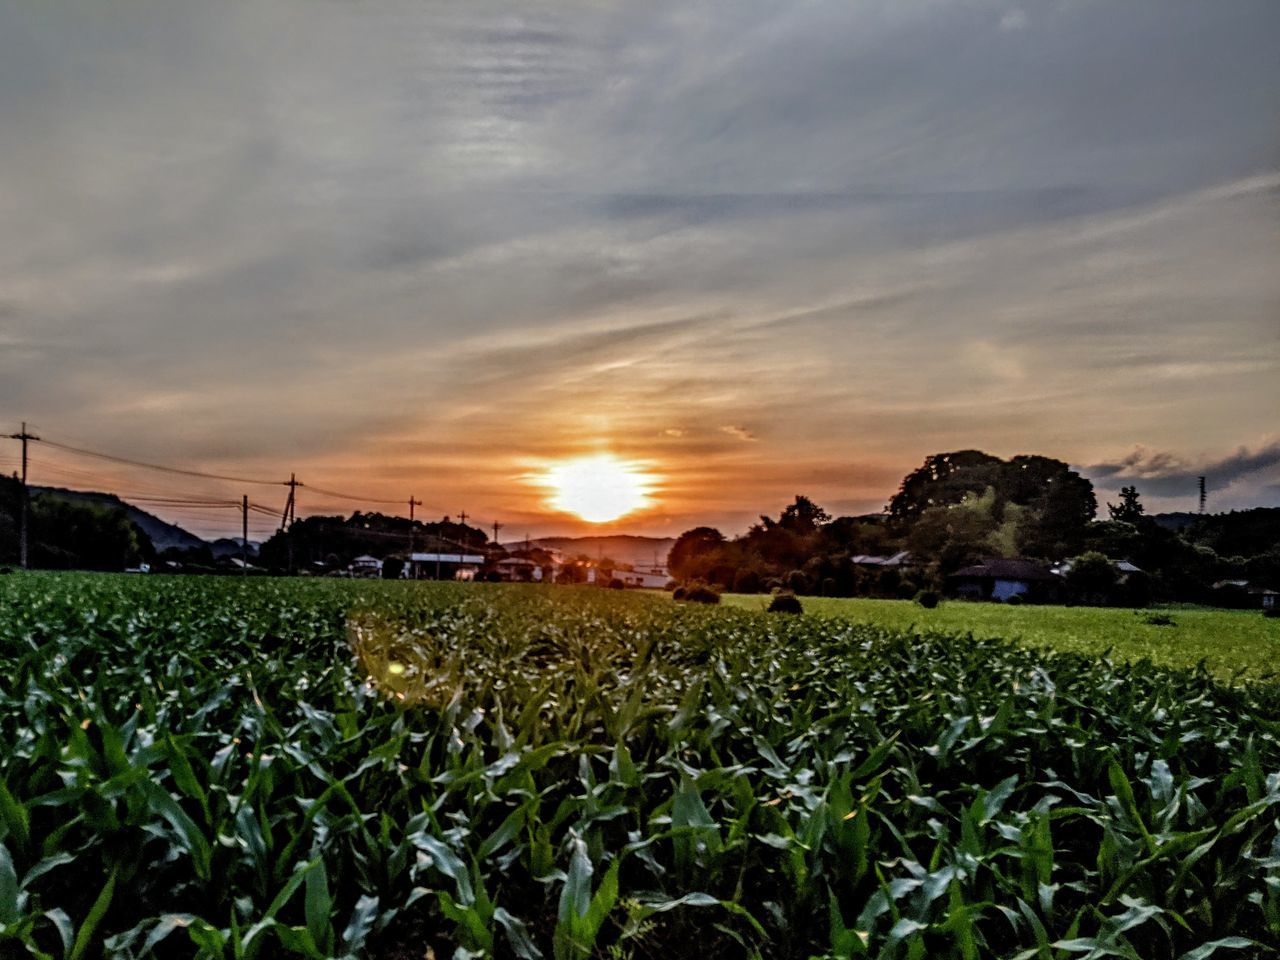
433,249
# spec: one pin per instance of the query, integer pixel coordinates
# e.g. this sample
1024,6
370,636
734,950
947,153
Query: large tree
1054,503
944,479
689,547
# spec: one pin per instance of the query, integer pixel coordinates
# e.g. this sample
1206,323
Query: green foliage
1091,579
1057,502
220,768
927,599
67,534
689,547
785,602
699,592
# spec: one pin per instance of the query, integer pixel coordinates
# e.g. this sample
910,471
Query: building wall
1004,589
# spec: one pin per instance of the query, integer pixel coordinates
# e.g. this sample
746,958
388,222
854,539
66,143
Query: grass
1231,643
233,769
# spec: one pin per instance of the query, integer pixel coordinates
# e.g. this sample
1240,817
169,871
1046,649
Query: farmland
1230,642
273,768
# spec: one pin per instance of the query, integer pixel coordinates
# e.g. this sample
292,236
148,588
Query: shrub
927,599
701,593
785,603
678,593
1271,612
746,581
616,584
798,582
1015,600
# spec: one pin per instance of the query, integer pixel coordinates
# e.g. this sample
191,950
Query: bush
927,599
797,581
678,593
701,593
1015,600
746,581
616,584
785,603
1271,612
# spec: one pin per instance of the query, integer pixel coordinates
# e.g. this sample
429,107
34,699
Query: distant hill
230,547
163,535
1176,522
638,551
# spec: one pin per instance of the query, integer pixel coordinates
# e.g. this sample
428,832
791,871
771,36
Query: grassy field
1230,642
234,769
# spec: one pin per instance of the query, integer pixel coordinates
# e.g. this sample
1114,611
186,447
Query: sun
598,488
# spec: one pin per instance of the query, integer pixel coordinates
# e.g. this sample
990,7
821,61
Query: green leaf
85,935
1209,949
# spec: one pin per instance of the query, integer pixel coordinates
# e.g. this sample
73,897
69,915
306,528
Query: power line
166,469
350,496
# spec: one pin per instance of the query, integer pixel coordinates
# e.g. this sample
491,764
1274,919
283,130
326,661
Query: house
518,570
1123,569
1243,595
366,566
652,578
1003,579
444,566
900,559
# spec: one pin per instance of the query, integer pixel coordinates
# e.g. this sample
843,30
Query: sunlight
598,488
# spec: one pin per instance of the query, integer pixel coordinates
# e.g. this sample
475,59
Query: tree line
959,509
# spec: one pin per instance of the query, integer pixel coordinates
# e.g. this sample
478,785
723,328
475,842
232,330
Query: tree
803,516
689,546
67,535
943,479
1129,509
1091,579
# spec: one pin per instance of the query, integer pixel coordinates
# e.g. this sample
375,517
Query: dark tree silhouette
1129,510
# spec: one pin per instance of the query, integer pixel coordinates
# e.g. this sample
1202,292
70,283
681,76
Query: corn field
226,769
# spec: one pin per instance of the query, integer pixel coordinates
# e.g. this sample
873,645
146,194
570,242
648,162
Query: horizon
262,527
704,259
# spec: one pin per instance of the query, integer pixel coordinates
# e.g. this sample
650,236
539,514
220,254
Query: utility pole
440,545
496,527
24,436
290,513
244,535
412,503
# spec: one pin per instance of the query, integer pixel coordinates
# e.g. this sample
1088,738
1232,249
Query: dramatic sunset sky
754,249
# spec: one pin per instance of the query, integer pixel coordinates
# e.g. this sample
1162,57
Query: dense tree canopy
690,547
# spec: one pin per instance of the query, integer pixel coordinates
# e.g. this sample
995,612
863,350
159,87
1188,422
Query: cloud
1163,473
375,240
1013,19
741,433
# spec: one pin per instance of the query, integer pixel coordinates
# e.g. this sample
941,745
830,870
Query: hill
638,551
163,534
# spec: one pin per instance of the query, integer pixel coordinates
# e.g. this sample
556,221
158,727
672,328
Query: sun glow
599,488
